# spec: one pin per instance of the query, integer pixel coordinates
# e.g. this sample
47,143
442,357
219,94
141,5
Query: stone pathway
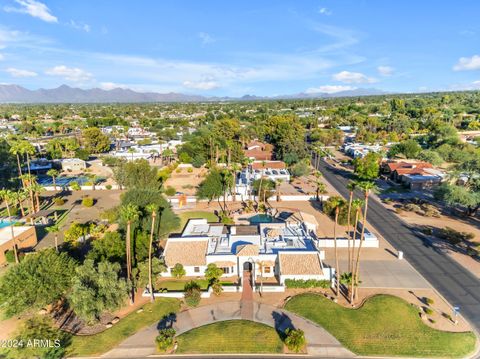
319,341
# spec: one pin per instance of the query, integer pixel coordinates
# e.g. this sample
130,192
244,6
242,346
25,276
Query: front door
247,266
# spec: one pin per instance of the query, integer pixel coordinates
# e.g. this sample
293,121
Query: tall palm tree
8,197
28,181
37,189
367,187
226,178
54,229
278,183
351,186
54,174
129,213
27,149
357,205
337,204
152,208
235,167
319,184
18,200
15,149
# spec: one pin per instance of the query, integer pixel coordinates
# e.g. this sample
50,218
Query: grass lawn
179,284
385,325
132,323
232,336
185,216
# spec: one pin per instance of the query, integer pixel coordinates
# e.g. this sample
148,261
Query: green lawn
385,325
179,284
107,340
185,216
232,336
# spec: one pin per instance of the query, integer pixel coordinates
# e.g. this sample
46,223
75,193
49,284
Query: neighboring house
273,170
73,164
259,151
270,250
360,150
25,238
413,174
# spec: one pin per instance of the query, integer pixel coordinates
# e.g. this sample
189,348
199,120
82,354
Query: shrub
108,186
10,256
428,311
295,339
178,170
88,183
170,191
217,287
59,201
110,215
192,293
307,283
453,236
430,211
190,170
178,271
87,202
412,207
428,301
299,169
399,210
75,186
165,339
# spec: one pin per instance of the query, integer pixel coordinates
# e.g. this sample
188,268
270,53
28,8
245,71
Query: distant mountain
67,94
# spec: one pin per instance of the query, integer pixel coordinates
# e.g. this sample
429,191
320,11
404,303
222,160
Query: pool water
262,218
4,224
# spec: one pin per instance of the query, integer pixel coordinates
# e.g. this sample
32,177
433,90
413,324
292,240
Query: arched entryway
247,266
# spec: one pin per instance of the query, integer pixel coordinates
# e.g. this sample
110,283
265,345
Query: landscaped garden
132,323
384,325
233,336
179,284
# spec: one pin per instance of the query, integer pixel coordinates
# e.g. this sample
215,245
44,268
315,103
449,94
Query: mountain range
67,94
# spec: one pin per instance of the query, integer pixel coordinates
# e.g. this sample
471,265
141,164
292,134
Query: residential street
458,286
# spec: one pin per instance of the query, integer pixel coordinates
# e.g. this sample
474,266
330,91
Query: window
196,269
226,270
267,269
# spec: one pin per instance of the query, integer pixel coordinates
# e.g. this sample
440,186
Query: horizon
230,50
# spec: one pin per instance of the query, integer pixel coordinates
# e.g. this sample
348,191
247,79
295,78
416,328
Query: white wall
343,243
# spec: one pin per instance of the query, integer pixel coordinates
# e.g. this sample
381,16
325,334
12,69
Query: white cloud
468,63
20,73
352,77
79,26
329,89
70,73
201,85
33,8
385,70
325,11
112,85
206,38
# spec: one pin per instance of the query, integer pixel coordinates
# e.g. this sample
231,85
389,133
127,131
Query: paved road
320,343
459,286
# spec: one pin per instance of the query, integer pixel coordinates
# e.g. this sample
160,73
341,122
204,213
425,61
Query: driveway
319,342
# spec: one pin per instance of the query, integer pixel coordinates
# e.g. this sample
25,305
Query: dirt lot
186,182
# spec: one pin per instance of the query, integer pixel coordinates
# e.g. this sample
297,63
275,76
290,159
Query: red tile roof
277,165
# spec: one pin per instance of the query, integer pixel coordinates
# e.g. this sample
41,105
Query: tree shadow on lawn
167,321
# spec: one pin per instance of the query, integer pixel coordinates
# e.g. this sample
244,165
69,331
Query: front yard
384,325
232,336
100,343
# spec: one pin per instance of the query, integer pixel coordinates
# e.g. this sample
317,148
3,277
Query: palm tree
27,149
8,197
357,205
54,229
129,213
351,187
319,184
278,183
152,208
54,174
18,200
37,189
15,149
131,150
226,177
235,168
367,187
337,204
261,179
28,181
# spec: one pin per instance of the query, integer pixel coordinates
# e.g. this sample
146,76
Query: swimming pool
262,218
64,181
4,224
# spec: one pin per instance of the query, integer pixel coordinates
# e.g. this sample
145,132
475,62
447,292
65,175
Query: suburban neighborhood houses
284,179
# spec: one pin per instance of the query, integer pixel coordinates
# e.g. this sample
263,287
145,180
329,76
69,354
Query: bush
453,236
295,339
307,283
430,210
178,170
192,293
178,271
165,339
170,191
399,210
10,256
299,169
412,207
108,186
190,170
428,311
87,202
75,186
59,201
428,301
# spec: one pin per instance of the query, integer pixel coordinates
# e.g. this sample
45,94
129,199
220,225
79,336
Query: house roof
403,167
186,252
299,263
258,154
248,250
258,144
257,165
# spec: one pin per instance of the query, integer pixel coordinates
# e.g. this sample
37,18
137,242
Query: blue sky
241,47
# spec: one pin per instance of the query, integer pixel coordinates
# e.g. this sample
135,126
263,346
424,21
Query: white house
282,250
73,164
